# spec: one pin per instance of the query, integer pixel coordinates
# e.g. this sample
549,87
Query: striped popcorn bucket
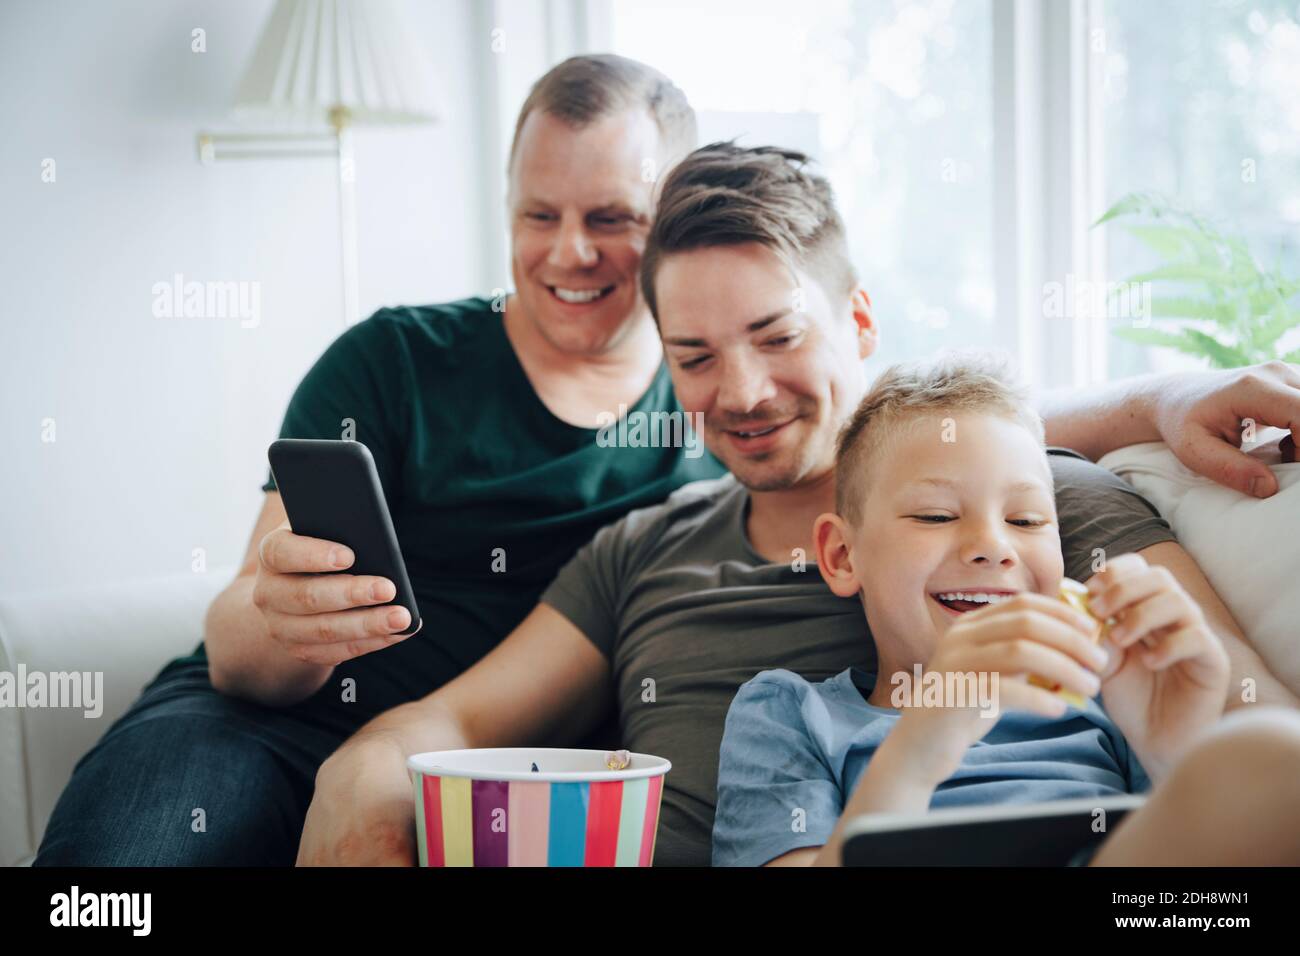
489,807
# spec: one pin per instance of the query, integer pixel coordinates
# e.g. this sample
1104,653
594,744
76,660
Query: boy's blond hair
960,381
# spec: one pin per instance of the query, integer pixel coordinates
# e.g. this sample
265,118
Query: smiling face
579,213
773,382
948,527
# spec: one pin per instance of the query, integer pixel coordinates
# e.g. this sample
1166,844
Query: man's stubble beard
804,463
804,460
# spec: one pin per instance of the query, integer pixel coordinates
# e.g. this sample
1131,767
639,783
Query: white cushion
128,631
1249,548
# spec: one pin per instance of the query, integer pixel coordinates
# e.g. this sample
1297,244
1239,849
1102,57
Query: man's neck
781,521
578,387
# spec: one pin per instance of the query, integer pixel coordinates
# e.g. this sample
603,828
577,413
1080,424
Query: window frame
1049,157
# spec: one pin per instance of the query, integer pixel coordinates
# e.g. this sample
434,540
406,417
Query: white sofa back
127,631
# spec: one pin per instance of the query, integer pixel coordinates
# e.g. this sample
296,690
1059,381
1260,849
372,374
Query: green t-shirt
478,475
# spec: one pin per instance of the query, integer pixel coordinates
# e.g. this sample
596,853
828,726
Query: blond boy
945,530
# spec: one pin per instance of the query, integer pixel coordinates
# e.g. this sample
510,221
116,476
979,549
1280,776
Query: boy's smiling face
974,516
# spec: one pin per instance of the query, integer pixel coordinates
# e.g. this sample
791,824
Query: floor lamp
322,67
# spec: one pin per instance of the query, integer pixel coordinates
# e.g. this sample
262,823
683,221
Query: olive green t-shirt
489,492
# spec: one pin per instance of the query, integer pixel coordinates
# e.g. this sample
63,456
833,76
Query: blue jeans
189,777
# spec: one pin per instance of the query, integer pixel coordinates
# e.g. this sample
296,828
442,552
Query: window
895,101
1201,102
972,145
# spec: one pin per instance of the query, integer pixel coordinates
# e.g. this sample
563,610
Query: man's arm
1245,663
1098,420
1199,415
545,683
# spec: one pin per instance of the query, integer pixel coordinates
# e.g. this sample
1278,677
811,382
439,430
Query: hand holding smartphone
332,496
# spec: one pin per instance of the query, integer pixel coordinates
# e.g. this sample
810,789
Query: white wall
161,425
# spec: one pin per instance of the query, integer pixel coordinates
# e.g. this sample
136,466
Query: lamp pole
336,144
340,119
342,61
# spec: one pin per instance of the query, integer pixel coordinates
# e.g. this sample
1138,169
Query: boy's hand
1168,676
1026,634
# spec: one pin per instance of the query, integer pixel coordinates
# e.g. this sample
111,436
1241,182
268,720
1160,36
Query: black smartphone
331,490
1033,834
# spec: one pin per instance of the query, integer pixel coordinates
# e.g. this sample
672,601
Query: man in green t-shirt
488,420
484,418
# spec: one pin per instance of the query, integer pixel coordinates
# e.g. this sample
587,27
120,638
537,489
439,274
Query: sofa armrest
126,632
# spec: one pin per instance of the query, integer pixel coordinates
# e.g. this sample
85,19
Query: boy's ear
831,541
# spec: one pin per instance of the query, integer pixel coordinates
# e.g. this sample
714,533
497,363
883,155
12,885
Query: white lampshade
318,55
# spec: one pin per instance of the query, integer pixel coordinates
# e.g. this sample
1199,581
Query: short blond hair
959,381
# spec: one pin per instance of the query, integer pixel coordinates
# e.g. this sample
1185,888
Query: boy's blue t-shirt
793,752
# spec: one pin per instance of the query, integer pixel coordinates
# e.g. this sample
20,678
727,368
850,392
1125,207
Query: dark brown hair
723,194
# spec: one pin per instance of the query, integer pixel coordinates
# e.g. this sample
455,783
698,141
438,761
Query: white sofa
127,631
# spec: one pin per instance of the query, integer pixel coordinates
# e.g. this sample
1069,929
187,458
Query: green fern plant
1211,279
